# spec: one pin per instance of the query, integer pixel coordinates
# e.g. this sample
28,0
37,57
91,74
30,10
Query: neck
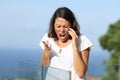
63,43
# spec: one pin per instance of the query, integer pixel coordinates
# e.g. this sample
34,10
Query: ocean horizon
11,58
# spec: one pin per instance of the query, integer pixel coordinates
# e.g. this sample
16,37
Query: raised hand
47,49
74,36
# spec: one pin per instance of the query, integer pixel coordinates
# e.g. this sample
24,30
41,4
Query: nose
62,29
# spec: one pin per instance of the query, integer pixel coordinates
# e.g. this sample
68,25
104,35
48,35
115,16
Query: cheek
67,30
56,30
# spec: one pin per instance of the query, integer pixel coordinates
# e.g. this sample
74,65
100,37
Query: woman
64,47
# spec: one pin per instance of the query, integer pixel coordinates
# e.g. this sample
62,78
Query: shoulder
83,37
84,42
45,38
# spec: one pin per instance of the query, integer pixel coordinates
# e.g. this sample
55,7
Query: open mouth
61,35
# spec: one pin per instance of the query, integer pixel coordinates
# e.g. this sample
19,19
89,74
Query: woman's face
61,27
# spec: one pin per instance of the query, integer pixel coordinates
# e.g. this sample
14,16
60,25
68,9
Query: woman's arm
46,55
81,61
80,58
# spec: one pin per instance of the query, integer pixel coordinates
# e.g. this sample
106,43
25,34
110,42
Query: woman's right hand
47,50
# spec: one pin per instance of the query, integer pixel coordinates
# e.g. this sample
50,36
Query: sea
11,60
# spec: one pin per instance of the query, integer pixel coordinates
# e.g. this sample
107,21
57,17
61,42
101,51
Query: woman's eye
65,26
58,26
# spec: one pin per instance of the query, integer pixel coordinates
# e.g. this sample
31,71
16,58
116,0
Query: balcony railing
33,71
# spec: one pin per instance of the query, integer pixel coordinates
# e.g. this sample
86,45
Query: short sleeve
84,43
44,38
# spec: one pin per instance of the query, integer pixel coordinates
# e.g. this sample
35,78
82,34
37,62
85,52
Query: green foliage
111,42
111,39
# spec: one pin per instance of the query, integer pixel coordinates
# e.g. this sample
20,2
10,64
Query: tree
111,42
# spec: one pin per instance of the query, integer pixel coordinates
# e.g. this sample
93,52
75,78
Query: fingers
72,32
70,29
46,44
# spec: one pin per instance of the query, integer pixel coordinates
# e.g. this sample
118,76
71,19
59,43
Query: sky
24,22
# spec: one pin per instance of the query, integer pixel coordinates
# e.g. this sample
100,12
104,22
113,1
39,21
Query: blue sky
23,22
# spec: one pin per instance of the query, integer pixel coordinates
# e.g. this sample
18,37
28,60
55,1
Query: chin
64,40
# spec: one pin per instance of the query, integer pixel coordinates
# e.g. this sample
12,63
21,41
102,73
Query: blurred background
24,22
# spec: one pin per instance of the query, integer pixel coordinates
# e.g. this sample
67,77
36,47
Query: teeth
62,34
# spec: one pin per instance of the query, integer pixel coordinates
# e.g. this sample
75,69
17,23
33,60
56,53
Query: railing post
42,72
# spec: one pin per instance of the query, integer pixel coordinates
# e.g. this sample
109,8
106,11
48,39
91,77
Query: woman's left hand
73,35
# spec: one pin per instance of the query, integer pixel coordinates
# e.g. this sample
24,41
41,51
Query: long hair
68,15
